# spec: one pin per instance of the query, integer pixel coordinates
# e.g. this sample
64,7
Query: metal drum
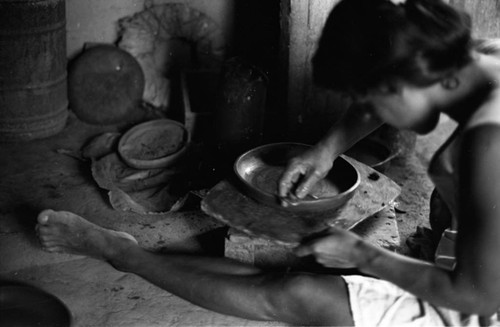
33,91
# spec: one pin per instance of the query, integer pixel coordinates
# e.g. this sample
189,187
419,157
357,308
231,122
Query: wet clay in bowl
259,171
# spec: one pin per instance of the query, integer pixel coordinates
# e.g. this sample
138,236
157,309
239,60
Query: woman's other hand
337,249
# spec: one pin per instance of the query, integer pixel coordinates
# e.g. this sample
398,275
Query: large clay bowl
153,144
258,172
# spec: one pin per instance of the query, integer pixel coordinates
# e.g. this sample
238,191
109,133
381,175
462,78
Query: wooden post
302,22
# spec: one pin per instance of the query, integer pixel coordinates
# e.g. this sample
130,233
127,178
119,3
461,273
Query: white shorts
377,302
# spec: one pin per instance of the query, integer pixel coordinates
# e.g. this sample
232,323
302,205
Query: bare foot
65,232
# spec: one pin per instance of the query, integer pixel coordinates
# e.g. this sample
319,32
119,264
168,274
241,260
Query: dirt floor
48,174
410,172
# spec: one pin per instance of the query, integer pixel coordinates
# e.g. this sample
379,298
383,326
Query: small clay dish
26,305
259,170
153,144
372,153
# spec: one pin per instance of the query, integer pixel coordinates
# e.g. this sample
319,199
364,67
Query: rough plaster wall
96,20
485,16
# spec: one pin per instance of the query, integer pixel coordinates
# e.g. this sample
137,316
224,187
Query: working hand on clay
302,173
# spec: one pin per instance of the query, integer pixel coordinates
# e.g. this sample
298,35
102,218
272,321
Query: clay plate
153,144
259,170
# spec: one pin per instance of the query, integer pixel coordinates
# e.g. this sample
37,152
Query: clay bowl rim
307,205
160,162
54,308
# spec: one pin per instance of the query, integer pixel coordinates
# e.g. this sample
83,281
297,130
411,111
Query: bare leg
218,284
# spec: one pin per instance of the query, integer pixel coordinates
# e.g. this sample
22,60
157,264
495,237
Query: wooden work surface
227,204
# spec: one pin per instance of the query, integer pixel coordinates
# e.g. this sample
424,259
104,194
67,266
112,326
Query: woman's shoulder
487,114
489,111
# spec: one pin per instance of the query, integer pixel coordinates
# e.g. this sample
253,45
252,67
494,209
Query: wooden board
227,204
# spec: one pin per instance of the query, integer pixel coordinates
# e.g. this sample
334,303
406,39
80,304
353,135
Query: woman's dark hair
365,43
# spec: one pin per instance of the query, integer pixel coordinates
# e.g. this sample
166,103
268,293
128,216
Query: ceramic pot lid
105,85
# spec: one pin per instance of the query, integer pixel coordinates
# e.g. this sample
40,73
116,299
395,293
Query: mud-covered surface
295,223
51,174
410,172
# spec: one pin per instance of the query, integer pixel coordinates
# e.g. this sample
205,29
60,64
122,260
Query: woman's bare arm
305,170
474,285
357,123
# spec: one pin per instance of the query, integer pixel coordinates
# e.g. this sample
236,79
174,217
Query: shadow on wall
257,36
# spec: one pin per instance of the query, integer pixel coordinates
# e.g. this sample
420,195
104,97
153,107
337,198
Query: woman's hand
303,172
337,249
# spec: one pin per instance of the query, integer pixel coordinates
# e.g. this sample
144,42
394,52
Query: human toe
49,244
43,216
44,238
43,230
54,249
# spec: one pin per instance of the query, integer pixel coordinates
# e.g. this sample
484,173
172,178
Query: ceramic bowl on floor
153,144
25,305
259,171
373,153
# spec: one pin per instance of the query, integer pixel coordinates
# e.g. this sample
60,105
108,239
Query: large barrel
33,92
